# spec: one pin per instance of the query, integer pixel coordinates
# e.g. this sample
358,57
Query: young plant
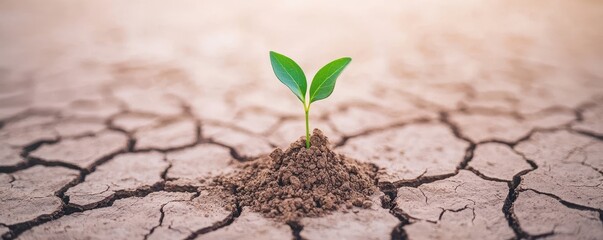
323,83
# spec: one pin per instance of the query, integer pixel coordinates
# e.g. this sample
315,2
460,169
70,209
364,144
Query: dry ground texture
484,117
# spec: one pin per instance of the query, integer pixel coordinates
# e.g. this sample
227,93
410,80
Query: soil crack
296,229
220,224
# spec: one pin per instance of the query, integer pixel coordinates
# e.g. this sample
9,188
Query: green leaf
290,74
324,80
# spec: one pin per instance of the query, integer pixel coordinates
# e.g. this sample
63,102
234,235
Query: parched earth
484,118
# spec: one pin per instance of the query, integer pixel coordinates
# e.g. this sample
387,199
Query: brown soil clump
302,182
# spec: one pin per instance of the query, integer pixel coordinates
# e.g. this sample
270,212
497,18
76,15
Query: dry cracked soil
483,118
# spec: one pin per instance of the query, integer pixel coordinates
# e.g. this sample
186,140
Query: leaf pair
323,83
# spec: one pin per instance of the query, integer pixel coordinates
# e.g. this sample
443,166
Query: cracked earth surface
485,119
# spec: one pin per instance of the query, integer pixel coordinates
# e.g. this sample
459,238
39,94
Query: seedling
323,83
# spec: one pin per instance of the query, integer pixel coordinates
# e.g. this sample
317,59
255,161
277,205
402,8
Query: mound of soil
302,182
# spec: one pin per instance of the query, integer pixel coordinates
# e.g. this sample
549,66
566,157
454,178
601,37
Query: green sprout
323,83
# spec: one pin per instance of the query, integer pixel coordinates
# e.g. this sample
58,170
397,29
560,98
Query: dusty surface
409,151
250,225
171,135
30,194
484,118
572,172
127,218
190,218
577,223
372,222
460,207
85,152
127,172
497,161
216,160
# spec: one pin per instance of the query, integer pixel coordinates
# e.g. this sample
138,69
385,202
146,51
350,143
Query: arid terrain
485,118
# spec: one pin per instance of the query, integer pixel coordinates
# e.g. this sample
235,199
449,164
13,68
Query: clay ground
485,117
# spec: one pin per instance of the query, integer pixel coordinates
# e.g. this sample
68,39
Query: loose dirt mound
302,182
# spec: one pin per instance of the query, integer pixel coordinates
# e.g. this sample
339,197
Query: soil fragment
302,182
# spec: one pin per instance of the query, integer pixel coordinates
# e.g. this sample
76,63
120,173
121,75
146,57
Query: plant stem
307,110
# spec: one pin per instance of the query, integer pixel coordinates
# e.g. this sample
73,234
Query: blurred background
511,90
211,58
